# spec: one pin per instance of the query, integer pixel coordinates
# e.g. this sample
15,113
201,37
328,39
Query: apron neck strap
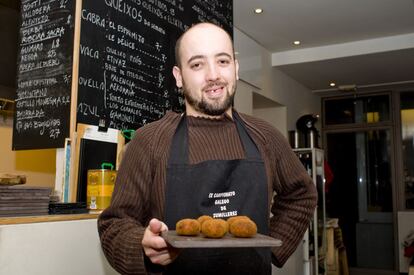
250,148
179,146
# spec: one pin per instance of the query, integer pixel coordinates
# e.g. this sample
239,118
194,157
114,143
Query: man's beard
211,107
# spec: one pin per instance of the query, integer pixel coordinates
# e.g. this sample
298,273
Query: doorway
360,195
359,146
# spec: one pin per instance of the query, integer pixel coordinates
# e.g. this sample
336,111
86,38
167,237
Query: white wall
49,248
297,98
243,100
261,78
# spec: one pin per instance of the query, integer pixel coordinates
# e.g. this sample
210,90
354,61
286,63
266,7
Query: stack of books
17,200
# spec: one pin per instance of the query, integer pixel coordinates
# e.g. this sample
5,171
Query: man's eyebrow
195,57
224,54
203,56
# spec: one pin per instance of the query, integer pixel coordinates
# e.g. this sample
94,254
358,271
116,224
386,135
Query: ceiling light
258,10
297,42
332,84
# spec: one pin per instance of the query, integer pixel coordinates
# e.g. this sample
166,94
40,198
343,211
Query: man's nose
212,72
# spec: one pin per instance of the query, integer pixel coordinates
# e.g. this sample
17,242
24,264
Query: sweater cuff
275,261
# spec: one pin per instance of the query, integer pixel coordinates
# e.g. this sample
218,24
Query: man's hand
155,246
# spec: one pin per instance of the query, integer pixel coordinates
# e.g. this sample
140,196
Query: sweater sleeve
294,201
121,226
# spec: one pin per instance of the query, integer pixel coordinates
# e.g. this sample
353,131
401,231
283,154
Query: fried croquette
232,219
214,228
187,227
244,228
203,218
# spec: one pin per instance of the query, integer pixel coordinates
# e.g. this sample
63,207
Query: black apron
219,188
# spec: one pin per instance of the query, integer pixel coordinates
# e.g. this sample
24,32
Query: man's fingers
156,226
155,247
152,238
159,257
153,253
158,243
162,257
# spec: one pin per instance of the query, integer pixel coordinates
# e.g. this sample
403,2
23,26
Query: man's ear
178,76
237,69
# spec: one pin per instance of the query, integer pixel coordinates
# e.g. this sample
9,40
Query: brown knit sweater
139,190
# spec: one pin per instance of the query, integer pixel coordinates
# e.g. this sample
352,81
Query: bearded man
176,167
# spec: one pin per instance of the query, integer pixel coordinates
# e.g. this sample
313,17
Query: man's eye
195,65
224,61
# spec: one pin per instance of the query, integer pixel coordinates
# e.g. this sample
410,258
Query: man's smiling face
208,72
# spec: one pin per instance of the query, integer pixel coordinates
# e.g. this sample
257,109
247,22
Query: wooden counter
47,218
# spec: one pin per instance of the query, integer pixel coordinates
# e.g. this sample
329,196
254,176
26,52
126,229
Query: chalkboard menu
127,55
44,74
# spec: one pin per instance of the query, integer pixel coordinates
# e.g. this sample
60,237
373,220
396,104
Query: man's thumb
155,226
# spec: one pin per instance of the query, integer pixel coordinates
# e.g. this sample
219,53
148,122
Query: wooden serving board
228,240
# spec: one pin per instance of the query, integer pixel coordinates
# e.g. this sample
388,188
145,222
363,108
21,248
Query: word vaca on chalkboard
44,74
127,55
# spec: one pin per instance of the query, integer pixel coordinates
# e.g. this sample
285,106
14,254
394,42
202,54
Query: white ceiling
350,42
